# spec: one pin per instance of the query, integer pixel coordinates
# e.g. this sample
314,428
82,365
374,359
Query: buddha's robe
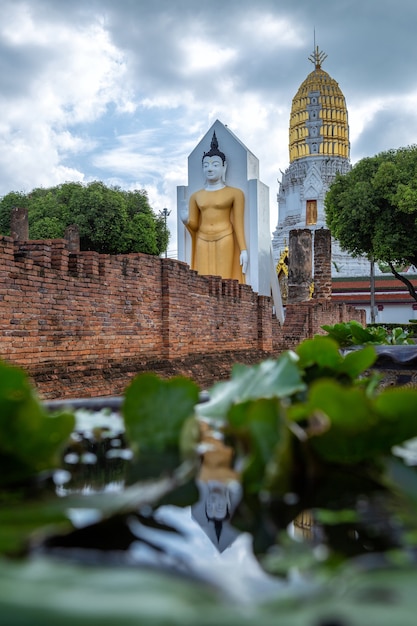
216,225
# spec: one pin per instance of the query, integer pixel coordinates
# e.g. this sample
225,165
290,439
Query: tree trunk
410,287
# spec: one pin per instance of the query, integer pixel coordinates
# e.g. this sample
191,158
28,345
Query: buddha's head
217,502
214,163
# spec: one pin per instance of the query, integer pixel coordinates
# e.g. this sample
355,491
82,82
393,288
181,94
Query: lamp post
164,213
372,278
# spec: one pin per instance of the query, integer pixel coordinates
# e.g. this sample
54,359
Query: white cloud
271,30
204,55
122,91
77,73
362,114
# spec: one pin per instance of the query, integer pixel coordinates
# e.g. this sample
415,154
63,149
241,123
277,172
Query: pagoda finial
317,57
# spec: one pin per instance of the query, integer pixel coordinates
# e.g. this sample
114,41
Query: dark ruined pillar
322,264
72,235
19,224
299,265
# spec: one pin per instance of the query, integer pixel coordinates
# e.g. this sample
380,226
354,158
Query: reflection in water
200,541
219,489
97,455
197,541
210,547
304,527
228,563
214,510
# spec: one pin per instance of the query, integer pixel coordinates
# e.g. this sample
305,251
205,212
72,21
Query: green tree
111,220
372,210
162,233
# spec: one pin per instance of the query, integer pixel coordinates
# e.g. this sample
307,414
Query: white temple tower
318,148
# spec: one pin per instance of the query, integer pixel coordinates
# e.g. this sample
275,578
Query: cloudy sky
122,90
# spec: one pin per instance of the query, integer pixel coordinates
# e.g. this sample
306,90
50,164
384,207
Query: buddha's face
213,169
217,503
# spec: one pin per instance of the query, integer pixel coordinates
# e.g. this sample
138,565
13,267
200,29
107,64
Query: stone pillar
19,224
322,264
299,265
72,235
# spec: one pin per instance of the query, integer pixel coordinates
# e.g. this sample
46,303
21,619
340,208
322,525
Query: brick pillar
265,323
59,255
91,263
175,287
299,265
72,235
322,264
39,250
19,224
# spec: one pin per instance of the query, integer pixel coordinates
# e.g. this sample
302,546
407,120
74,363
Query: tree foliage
372,209
110,220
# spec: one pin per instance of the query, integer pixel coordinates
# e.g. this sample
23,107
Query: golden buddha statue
215,221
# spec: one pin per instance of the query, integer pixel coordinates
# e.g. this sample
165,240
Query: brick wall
82,324
305,319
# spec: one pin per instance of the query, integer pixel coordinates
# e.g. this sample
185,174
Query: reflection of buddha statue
216,457
220,490
215,222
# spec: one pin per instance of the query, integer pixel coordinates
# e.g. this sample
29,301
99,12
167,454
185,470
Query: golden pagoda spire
318,119
317,57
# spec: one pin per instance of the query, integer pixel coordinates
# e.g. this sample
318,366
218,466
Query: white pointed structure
242,172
